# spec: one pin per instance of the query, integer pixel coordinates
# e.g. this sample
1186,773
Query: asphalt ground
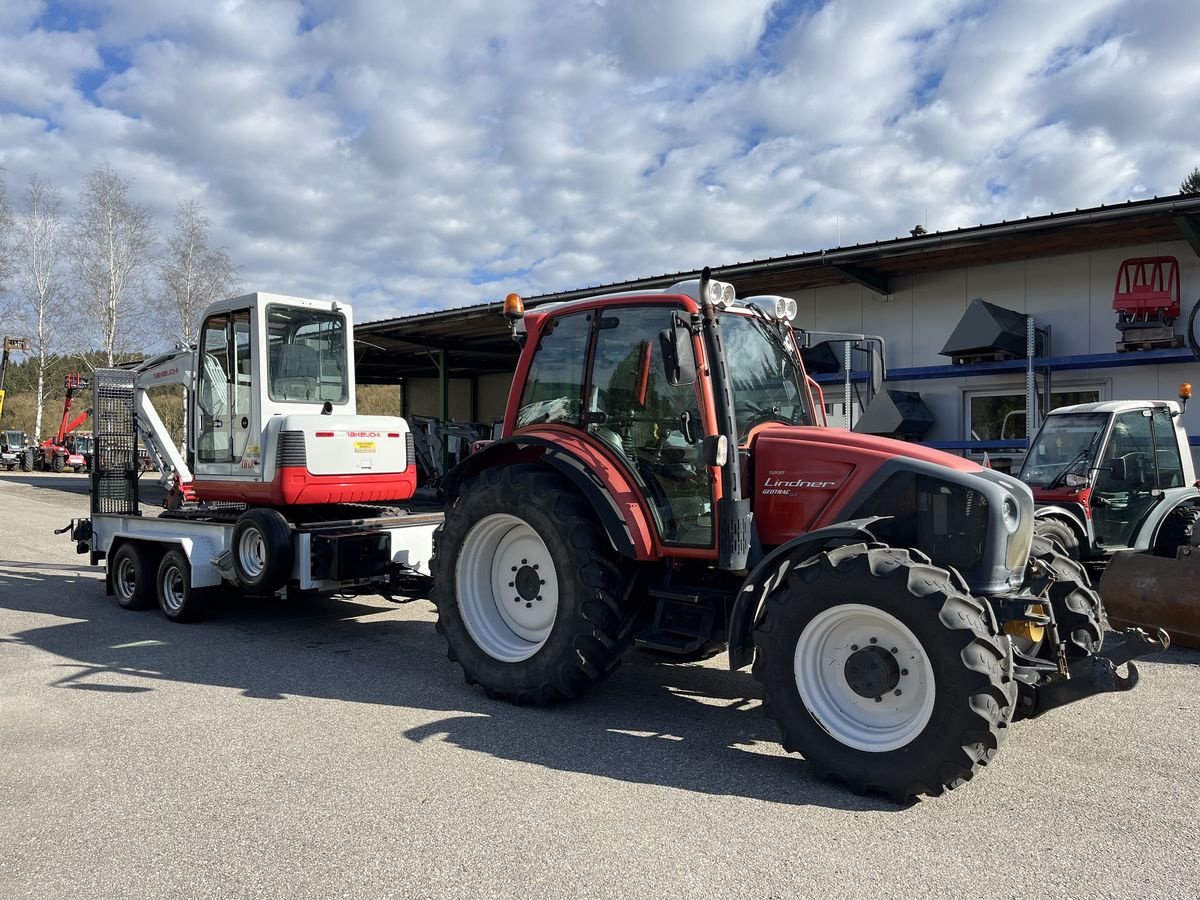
328,749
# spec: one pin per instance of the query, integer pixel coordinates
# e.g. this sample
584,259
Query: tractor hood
852,444
957,512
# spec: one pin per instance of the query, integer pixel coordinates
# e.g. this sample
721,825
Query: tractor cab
1109,472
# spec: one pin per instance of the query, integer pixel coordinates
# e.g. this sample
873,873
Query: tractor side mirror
1118,470
679,362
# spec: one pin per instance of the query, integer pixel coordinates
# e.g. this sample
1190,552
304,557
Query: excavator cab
272,410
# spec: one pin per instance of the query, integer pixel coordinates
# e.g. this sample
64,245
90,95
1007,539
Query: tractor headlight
720,294
1011,513
785,309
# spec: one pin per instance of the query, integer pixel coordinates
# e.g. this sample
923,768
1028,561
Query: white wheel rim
172,588
507,588
862,722
252,552
125,579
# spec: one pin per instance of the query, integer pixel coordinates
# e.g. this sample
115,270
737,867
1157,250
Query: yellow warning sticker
364,446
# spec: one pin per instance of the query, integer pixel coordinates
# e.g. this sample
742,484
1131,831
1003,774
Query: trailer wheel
132,572
59,463
882,673
1176,530
1077,608
528,589
1061,533
178,600
262,551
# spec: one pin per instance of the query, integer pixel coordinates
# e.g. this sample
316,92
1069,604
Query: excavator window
307,355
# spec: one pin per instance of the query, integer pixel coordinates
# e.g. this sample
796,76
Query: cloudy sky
416,154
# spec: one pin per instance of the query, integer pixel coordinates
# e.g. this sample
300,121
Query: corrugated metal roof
477,338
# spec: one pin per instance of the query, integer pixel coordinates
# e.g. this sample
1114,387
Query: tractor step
683,622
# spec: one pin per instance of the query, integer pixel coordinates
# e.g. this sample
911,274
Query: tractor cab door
1139,463
224,395
650,424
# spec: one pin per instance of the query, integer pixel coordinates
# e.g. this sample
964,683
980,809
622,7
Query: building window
1001,416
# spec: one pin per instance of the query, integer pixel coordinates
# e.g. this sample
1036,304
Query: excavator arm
176,367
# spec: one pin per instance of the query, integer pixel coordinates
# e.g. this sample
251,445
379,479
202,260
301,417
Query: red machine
665,480
59,453
1146,300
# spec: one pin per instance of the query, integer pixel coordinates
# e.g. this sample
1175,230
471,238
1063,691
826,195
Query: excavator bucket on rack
1144,590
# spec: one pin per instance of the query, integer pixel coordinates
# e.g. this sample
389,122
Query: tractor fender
1065,513
625,524
771,572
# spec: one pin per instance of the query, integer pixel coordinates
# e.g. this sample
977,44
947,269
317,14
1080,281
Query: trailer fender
771,572
625,524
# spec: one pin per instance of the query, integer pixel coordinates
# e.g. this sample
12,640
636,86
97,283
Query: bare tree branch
193,274
7,251
110,250
40,234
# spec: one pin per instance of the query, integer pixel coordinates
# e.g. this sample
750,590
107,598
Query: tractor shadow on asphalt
694,727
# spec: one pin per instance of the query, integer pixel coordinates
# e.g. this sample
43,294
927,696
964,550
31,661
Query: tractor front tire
529,592
1176,530
1055,529
1077,608
59,463
27,461
263,556
883,672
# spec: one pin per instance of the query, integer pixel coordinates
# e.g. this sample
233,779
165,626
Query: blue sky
427,154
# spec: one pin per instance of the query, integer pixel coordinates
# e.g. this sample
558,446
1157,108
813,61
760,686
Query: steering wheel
750,414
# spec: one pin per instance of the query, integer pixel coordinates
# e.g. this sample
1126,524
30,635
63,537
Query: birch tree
193,273
6,234
110,250
39,277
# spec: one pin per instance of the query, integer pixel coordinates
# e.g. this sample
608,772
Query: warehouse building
1062,270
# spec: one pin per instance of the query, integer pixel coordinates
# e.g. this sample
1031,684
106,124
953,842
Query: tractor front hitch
1092,675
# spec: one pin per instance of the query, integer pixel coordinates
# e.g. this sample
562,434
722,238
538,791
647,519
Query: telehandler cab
664,479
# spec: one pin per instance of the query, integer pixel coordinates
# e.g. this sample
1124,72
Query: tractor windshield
14,438
1066,445
767,380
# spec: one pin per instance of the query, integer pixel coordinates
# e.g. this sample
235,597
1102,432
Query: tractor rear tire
530,594
883,673
59,463
1078,611
178,600
1061,533
1176,530
263,556
27,461
132,569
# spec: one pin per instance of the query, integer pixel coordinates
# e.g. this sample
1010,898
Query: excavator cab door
224,396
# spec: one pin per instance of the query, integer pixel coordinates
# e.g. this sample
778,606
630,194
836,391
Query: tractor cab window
651,424
1166,449
1127,481
554,387
306,350
767,382
1068,444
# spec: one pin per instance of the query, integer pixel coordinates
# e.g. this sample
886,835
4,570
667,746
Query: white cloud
418,155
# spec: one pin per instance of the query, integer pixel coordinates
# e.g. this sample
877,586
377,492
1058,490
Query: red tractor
665,480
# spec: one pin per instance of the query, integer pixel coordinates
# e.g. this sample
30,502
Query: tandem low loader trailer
285,488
